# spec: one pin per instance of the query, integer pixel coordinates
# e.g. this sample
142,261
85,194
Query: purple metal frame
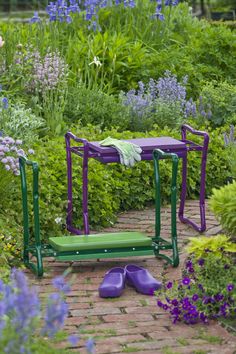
204,149
86,150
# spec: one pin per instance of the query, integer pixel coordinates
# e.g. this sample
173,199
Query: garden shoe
141,280
113,283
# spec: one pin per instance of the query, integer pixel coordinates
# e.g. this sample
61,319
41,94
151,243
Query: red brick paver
133,322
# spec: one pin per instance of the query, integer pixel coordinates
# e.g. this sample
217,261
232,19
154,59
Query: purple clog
113,283
141,280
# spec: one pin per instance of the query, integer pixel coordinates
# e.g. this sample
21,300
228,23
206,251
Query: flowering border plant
22,320
206,291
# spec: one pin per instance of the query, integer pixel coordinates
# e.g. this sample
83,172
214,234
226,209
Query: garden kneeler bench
105,245
87,150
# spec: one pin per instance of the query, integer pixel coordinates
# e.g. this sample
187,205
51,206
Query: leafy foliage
223,205
221,97
92,106
131,47
20,122
218,245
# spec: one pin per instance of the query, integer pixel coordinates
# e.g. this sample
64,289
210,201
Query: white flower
1,42
58,220
96,61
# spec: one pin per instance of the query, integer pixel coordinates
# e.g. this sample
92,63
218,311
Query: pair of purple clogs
137,277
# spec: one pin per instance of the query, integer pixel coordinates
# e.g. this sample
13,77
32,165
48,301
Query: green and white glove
129,152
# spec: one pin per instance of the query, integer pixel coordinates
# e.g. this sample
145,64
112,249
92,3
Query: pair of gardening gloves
129,153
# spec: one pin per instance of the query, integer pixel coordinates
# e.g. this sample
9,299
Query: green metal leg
38,267
36,247
159,243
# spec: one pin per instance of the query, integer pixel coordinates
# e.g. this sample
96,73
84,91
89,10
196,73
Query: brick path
133,322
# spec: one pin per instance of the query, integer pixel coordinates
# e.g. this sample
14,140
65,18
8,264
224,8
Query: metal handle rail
159,242
85,154
37,249
194,147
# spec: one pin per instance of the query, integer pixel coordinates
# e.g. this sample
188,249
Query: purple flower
176,311
60,284
5,103
195,297
165,307
200,287
230,287
56,313
186,281
35,18
168,300
169,285
189,264
159,303
49,71
90,346
218,297
175,302
201,262
191,270
73,339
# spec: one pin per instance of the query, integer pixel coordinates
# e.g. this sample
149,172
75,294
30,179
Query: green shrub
223,205
186,50
91,106
221,99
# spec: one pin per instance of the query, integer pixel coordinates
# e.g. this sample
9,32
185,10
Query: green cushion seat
100,241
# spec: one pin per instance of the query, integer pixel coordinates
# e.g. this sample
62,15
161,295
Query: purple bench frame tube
84,151
204,150
70,227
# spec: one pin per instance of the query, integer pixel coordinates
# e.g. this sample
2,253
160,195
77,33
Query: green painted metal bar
25,209
37,241
161,243
122,254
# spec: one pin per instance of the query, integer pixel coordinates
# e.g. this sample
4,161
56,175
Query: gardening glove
129,153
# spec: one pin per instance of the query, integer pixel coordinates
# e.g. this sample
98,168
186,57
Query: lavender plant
162,102
49,71
49,83
206,291
22,320
43,77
